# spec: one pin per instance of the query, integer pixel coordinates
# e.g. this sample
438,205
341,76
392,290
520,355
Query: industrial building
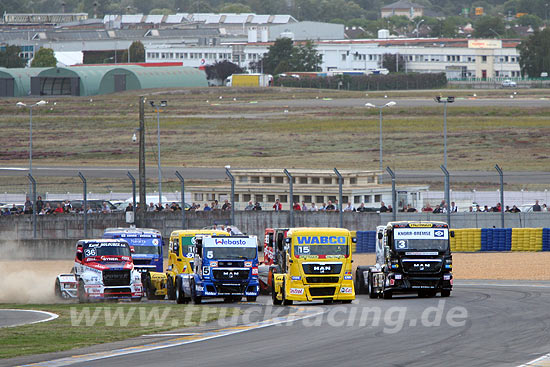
16,82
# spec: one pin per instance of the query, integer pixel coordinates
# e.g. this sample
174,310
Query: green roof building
16,82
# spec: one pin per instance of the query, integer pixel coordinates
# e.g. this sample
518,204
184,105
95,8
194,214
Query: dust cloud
29,282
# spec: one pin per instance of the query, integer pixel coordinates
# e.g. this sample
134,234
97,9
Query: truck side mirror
380,235
354,240
175,248
452,233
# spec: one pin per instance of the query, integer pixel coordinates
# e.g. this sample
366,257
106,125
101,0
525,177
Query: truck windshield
245,253
425,244
145,246
106,249
316,250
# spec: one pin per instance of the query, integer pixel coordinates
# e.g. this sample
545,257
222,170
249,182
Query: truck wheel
196,299
372,290
180,295
286,302
445,292
136,299
57,289
82,296
360,280
170,291
276,302
250,298
328,301
387,294
347,301
236,298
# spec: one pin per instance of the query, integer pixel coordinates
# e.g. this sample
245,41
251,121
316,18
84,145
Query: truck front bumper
222,289
404,283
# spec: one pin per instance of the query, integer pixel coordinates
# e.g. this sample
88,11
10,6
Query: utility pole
142,185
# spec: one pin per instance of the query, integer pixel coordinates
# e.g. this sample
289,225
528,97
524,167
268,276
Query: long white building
458,58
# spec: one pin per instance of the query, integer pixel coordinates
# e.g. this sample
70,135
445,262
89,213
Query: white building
458,58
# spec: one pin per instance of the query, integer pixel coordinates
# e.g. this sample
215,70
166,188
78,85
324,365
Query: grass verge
82,325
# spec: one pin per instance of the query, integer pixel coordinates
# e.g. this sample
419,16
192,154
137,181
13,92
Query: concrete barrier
57,234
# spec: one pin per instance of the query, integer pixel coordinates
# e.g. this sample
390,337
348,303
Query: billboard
484,44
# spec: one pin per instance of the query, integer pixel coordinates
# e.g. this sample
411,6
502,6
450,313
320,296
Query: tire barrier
478,240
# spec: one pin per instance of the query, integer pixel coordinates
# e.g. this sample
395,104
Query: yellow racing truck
180,261
314,264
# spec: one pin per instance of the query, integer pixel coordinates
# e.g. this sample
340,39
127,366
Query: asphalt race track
483,323
13,317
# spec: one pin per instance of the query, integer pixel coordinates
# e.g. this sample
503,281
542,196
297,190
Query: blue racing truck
224,267
147,244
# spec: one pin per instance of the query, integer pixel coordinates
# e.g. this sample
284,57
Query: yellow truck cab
180,261
315,264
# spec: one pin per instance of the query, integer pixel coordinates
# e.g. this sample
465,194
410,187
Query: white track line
52,316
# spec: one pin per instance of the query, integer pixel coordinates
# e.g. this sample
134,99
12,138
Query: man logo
439,233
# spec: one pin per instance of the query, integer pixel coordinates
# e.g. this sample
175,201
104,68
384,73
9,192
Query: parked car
509,84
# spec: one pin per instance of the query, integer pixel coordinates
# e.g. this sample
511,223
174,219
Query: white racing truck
103,270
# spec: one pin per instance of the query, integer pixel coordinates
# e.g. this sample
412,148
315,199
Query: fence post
501,174
85,204
393,194
33,184
291,201
228,173
447,194
178,175
133,192
340,208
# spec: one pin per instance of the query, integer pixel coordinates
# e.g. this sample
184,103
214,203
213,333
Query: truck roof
193,232
101,240
313,230
409,222
132,230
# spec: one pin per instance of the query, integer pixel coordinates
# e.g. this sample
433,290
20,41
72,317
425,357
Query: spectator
206,207
59,209
427,208
323,207
485,209
515,209
498,208
544,208
383,207
27,208
507,209
390,209
349,207
6,211
105,208
362,208
337,205
250,206
330,207
129,208
437,210
297,207
215,205
536,207
90,210
39,204
257,206
454,208
313,208
304,207
151,207
277,206
67,207
444,207
226,205
411,209
478,209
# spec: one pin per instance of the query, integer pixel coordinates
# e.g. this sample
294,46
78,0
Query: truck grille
422,266
230,288
142,262
322,291
230,264
322,268
116,277
231,274
322,279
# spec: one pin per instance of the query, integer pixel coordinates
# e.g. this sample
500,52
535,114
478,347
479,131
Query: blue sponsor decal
230,242
439,233
347,277
296,277
322,240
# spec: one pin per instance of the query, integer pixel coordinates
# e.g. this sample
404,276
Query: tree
221,70
137,53
388,62
530,20
534,54
44,58
489,27
281,50
305,58
10,58
235,8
